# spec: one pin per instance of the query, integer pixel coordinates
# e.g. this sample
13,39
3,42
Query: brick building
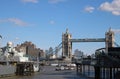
30,49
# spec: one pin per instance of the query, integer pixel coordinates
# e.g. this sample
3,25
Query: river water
48,72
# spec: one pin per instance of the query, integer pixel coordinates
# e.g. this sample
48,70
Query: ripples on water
49,73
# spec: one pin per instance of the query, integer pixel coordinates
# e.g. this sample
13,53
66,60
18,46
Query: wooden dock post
77,67
110,73
97,72
24,68
20,69
103,72
88,70
83,69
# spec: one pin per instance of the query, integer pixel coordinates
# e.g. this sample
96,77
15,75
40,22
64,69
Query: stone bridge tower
66,45
109,39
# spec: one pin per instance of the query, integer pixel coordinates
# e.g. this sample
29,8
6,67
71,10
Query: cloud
89,9
15,21
55,1
113,7
52,22
30,1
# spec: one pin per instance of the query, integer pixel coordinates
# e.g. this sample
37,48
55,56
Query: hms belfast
13,62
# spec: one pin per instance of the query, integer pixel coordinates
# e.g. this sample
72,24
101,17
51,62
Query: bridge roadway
89,40
48,72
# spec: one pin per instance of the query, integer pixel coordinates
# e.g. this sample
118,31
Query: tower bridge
67,41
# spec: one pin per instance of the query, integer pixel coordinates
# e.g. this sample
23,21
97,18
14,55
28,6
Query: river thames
49,72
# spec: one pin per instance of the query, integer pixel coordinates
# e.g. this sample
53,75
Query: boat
36,67
9,57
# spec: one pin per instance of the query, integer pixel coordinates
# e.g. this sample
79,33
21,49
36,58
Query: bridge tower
109,39
66,45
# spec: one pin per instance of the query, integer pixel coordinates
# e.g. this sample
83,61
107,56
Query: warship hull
7,70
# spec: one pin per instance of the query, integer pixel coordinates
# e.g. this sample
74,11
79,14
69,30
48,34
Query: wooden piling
97,72
24,69
88,70
110,73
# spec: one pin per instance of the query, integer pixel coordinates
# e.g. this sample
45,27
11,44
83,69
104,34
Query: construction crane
116,44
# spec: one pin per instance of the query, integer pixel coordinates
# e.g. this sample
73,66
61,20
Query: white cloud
89,9
55,1
52,22
29,1
15,21
113,7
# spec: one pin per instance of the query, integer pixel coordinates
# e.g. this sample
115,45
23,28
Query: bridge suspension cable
118,32
57,49
116,44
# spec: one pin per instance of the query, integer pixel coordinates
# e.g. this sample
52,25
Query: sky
43,21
